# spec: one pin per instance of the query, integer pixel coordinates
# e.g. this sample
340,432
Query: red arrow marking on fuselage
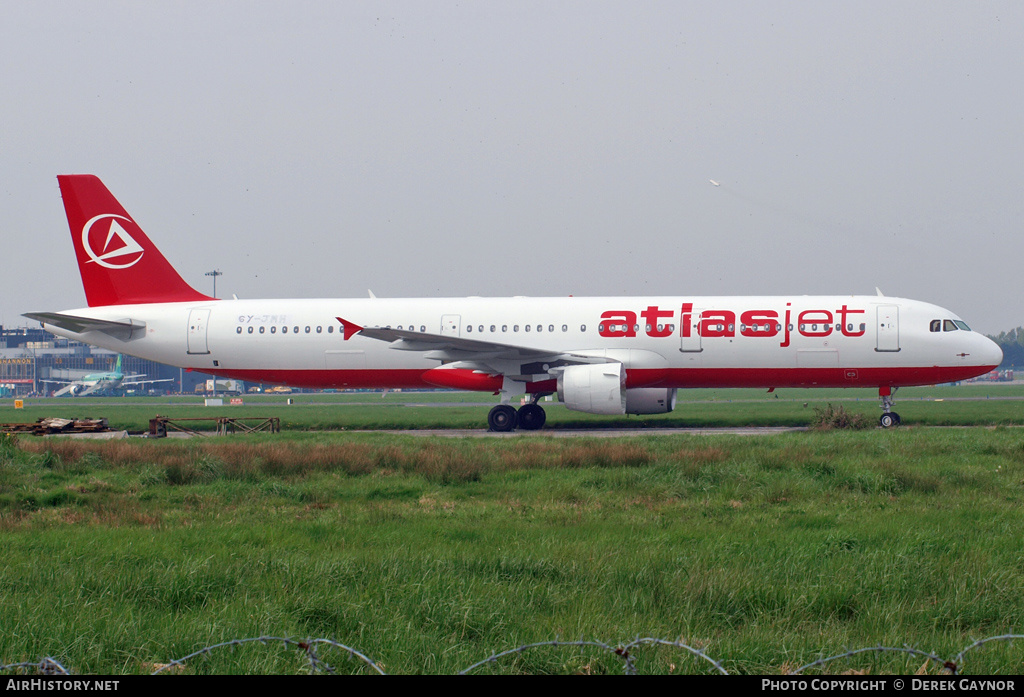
350,328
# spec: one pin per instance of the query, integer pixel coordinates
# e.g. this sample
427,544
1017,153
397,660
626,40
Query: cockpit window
950,325
936,325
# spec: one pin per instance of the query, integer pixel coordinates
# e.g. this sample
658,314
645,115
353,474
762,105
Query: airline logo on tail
118,245
118,262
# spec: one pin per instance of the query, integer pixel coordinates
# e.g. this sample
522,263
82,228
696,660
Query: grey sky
317,149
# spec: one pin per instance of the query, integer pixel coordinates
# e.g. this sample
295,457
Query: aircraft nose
990,352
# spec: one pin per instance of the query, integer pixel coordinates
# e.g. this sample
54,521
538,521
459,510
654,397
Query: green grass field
430,554
967,405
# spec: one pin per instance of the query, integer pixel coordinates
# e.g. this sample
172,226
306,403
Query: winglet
350,328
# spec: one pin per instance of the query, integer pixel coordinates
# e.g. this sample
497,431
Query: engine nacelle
650,400
595,389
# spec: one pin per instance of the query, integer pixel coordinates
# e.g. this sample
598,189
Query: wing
512,361
125,383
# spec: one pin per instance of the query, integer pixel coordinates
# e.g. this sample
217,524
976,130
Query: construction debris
56,426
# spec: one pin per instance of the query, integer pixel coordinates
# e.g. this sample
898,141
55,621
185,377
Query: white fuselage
837,341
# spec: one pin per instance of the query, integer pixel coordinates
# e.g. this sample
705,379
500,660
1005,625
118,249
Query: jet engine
650,400
595,389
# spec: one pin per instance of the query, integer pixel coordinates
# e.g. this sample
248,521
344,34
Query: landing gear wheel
502,418
531,417
890,419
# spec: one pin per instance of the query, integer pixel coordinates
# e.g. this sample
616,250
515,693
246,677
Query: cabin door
198,321
887,322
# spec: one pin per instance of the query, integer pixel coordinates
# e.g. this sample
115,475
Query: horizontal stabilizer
123,329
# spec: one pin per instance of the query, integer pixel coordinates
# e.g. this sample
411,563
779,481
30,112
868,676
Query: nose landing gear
889,418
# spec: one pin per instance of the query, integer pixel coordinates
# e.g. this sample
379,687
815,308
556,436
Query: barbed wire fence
627,653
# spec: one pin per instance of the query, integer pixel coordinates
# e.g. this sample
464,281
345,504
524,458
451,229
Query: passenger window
250,330
238,330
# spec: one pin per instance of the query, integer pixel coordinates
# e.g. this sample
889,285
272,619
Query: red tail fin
118,262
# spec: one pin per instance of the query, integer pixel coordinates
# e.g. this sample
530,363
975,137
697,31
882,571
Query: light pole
215,273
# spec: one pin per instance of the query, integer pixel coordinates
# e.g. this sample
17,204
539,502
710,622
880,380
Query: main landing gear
889,417
505,417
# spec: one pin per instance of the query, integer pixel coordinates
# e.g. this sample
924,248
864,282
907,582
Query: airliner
101,383
600,355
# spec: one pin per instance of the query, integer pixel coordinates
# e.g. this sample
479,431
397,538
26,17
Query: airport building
31,356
